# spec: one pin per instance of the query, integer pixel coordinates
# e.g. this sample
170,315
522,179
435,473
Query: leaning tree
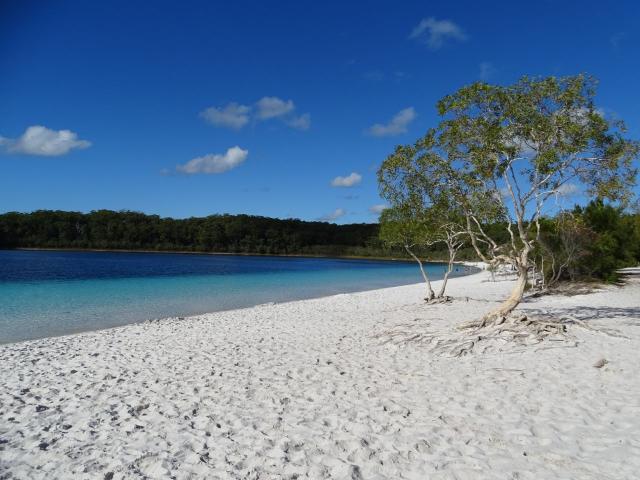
510,149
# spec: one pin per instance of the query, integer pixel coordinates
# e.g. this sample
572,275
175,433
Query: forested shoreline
608,237
239,234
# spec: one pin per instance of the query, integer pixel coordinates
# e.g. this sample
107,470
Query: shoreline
238,309
190,252
311,388
189,317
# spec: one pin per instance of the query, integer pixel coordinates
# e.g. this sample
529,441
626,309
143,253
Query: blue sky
281,109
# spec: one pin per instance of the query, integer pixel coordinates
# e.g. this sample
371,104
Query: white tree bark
430,293
453,250
514,299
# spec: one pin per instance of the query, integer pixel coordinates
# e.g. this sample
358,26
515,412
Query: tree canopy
500,153
106,229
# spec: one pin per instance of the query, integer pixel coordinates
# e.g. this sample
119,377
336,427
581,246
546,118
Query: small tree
513,148
452,235
421,212
563,243
401,227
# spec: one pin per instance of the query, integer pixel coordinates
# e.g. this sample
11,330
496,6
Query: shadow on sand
586,314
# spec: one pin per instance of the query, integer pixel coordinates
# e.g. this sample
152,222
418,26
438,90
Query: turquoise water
45,293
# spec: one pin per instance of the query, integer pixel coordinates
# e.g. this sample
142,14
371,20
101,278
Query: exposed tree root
498,334
437,300
518,323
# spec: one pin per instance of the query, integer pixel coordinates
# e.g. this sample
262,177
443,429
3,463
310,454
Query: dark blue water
47,293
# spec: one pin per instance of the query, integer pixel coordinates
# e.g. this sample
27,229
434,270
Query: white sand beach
306,389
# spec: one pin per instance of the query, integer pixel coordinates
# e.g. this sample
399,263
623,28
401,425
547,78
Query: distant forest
125,230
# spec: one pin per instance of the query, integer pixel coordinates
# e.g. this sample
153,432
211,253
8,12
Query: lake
49,293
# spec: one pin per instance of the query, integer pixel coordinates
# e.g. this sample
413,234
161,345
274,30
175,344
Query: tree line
127,230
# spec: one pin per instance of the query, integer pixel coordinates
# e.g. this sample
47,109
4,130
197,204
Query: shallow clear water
47,293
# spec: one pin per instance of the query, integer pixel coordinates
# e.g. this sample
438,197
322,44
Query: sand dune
305,390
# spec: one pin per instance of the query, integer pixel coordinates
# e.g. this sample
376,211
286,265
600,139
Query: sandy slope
303,390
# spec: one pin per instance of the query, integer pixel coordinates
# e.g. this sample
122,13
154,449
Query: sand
306,390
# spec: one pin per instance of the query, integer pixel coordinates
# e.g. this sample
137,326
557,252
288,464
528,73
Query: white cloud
333,216
568,189
434,32
303,122
236,116
233,115
348,181
486,70
396,126
377,209
215,163
271,107
39,140
525,147
503,192
581,115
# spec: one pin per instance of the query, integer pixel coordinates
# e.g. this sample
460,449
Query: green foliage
589,243
105,229
616,240
413,180
399,226
499,154
544,131
562,246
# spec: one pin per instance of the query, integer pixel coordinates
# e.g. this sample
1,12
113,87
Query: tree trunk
452,254
514,299
430,294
